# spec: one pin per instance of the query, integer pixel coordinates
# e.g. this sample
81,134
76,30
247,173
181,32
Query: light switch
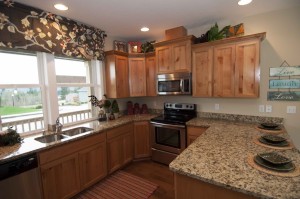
268,108
217,106
261,108
291,109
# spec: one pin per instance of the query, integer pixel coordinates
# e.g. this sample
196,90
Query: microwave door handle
181,85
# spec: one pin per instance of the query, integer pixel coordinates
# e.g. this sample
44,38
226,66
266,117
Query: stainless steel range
168,131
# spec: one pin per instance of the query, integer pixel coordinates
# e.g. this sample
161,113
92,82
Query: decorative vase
116,115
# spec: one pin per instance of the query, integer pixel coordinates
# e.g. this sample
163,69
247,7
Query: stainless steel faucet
58,126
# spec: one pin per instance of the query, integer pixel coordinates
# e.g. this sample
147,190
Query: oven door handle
167,125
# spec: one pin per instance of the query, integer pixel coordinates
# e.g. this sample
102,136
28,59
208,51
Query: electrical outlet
268,108
261,108
291,109
217,106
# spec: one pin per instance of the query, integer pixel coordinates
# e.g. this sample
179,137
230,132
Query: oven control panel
180,106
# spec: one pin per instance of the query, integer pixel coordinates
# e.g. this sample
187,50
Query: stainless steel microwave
174,84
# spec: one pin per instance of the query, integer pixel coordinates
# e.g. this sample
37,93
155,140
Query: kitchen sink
50,138
76,131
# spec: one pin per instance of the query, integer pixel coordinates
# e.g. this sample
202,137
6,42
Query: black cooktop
176,113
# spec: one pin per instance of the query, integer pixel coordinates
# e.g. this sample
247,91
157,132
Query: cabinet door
247,69
128,147
181,56
122,79
92,164
141,140
151,76
193,133
60,178
137,77
115,157
224,71
163,59
202,58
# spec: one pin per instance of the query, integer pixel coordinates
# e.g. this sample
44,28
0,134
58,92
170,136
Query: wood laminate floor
156,173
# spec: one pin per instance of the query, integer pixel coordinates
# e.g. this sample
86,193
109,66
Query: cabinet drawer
66,149
196,131
115,132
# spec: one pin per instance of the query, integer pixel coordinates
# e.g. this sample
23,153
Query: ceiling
123,19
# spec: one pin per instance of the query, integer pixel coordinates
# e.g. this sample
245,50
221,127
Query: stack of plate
269,126
273,140
274,162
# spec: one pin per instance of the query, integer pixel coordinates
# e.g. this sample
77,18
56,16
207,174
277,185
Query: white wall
282,43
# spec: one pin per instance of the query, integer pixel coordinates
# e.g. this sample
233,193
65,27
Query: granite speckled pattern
30,145
219,155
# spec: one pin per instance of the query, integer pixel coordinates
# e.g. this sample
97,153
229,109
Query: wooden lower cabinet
119,147
193,133
60,178
92,164
68,169
142,147
187,187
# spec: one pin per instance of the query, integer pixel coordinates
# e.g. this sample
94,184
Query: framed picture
120,46
134,46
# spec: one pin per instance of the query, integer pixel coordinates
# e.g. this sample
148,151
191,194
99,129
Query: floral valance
24,27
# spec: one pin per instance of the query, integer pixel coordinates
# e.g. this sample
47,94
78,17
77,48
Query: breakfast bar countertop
219,157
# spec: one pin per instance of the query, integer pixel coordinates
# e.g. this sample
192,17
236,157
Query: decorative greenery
10,137
215,34
148,47
115,107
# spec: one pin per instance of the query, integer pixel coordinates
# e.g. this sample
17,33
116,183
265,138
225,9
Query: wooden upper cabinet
202,58
232,64
224,60
137,77
151,74
117,77
247,72
174,55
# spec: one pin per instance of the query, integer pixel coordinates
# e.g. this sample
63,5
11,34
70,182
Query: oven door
168,137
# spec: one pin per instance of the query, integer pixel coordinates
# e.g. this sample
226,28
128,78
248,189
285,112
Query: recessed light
60,6
244,2
144,29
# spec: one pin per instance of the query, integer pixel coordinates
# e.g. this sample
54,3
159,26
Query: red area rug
120,185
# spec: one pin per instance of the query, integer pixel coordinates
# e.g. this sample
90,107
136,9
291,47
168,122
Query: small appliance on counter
169,131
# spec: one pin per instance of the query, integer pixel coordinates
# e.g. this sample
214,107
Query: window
34,88
73,88
20,92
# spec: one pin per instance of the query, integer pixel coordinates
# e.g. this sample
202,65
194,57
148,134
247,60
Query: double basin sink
63,135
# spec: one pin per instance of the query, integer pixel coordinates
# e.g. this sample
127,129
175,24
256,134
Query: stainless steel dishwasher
19,178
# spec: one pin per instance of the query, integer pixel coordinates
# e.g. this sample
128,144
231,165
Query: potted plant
115,108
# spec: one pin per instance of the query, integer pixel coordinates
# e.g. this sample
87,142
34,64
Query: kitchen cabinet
193,133
202,58
187,187
228,67
68,169
151,74
142,147
117,74
174,55
119,146
137,76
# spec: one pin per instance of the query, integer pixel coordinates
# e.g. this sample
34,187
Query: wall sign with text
284,81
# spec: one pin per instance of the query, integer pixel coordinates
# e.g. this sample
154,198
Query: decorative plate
279,144
274,158
273,138
281,168
269,125
270,129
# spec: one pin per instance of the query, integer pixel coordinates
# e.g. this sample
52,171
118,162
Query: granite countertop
219,155
30,145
